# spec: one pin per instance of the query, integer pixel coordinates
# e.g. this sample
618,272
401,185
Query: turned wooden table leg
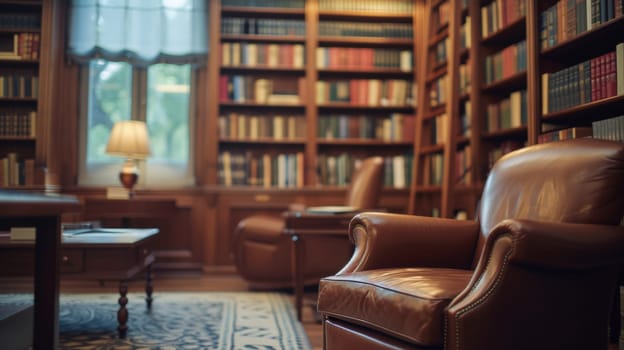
122,314
149,289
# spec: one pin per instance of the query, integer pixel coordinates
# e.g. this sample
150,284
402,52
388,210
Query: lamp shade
129,139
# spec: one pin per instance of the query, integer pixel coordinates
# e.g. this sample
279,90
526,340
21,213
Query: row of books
363,58
263,55
376,6
465,39
337,169
606,129
565,134
15,171
253,127
20,21
464,77
262,26
505,63
566,19
398,171
510,112
592,80
263,3
609,129
357,29
366,92
500,13
463,166
25,46
465,118
19,85
433,169
439,52
261,169
438,127
245,88
395,127
437,91
18,124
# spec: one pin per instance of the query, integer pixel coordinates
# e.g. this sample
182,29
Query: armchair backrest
575,181
366,183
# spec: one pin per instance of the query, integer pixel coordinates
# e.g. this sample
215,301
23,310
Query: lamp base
129,175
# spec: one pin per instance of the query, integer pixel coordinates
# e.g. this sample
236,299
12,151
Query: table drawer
72,261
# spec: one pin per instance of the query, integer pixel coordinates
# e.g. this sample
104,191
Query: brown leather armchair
537,270
262,252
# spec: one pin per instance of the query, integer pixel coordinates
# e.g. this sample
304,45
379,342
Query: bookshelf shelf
363,41
504,86
22,111
262,140
512,33
574,49
363,16
361,142
263,12
242,69
18,138
506,133
372,73
589,112
295,39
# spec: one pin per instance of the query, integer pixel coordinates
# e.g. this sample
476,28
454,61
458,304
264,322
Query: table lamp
129,139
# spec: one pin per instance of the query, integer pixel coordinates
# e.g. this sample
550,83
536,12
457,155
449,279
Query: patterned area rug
241,320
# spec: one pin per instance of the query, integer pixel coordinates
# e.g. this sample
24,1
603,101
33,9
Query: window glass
168,95
110,100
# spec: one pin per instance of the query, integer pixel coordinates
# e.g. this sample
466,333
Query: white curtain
141,32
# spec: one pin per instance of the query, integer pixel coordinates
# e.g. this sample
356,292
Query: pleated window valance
141,32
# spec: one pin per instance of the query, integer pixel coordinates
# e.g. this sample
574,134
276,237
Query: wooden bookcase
22,113
523,54
317,90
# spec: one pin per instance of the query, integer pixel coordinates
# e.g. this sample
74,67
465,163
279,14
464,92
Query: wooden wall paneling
208,136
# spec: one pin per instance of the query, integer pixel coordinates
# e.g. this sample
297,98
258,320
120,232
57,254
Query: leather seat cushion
408,303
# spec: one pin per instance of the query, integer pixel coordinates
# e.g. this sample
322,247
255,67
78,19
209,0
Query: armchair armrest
384,240
571,261
563,245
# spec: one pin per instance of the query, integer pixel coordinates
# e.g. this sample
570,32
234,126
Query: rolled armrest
519,255
384,240
563,245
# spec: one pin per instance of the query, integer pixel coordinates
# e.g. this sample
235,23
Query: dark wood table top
21,204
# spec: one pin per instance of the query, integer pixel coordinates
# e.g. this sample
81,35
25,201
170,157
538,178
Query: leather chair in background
537,270
262,252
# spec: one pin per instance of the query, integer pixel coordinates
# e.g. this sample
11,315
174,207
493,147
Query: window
160,95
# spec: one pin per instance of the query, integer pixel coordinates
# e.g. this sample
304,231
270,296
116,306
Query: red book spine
594,79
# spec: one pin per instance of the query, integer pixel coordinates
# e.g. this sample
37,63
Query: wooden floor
190,281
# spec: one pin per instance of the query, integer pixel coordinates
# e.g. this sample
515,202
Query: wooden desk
302,224
44,213
111,254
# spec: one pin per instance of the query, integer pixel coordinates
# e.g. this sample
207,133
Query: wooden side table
302,224
111,254
44,213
